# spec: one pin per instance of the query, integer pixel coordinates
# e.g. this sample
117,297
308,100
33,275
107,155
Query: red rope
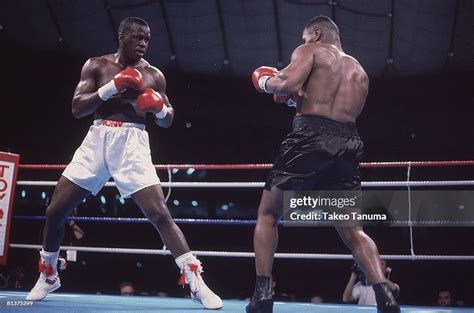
42,166
268,166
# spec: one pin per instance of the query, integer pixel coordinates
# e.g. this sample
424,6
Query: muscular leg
152,202
265,241
364,250
265,238
366,254
66,197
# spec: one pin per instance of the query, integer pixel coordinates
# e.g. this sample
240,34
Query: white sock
185,258
50,258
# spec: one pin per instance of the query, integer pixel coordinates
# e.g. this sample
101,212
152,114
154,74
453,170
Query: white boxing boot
48,280
191,270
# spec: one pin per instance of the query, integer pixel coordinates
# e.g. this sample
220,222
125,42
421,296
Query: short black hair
129,21
325,22
445,290
127,283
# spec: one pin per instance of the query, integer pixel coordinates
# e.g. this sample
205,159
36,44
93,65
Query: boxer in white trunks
119,89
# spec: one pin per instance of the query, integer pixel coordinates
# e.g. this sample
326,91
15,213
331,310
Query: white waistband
111,123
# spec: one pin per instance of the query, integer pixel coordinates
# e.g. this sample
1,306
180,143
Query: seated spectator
16,277
161,294
445,298
127,289
317,299
280,295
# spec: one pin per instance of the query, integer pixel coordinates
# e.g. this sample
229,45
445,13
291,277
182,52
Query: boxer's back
337,86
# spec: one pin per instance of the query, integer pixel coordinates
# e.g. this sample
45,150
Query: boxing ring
60,302
84,303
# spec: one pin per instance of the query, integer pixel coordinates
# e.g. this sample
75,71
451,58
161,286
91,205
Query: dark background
419,108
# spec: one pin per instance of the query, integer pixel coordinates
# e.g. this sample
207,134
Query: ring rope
410,222
168,194
269,166
250,254
170,184
141,220
368,184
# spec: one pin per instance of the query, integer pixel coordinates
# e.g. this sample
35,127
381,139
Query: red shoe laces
182,278
48,269
45,269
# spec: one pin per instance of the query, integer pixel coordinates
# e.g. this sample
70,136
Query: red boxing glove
128,78
260,77
151,101
285,99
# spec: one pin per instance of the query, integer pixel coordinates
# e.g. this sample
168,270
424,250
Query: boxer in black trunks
328,88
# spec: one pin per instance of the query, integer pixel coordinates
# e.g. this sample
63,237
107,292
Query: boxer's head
133,36
321,29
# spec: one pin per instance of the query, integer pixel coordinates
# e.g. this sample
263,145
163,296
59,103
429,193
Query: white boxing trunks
113,149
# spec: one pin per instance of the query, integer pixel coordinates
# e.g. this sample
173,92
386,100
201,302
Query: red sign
8,171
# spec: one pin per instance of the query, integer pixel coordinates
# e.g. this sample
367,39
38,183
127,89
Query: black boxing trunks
318,154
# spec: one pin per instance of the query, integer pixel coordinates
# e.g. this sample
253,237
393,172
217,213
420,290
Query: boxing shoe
262,306
386,303
191,270
44,286
48,280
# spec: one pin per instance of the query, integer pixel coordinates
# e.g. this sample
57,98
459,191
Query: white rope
163,184
410,221
168,194
229,254
371,184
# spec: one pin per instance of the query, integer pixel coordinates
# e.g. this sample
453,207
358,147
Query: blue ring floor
82,303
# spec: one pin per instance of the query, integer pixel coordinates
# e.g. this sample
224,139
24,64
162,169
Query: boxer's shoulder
152,70
99,62
103,59
154,73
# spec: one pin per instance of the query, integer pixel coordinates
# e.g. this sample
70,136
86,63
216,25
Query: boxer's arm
292,78
86,98
160,87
